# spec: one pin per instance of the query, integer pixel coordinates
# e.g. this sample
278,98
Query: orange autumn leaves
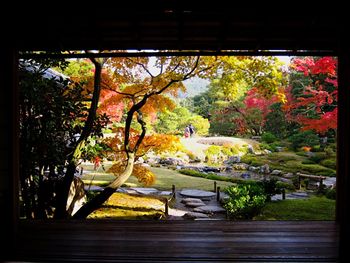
155,143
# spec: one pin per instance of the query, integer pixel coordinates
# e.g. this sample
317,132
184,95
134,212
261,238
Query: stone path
199,205
196,204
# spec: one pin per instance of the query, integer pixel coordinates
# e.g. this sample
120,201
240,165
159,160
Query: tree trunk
62,196
98,200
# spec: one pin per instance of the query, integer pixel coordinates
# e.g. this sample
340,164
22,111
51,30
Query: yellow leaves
136,89
158,103
143,175
78,151
281,97
117,168
159,143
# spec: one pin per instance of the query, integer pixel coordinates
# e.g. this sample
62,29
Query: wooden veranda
177,241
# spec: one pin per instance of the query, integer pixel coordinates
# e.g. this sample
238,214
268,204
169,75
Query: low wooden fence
317,178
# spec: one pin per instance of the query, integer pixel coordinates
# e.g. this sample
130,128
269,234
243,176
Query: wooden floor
177,241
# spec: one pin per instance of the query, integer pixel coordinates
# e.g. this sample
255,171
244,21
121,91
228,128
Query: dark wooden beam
73,54
343,151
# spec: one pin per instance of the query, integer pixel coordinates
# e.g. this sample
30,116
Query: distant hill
194,86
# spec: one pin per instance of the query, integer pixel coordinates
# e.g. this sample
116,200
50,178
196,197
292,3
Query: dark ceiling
174,26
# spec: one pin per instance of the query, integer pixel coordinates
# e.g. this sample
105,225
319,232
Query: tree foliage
175,121
52,112
242,92
312,98
143,84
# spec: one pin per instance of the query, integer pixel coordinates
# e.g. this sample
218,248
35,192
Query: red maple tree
316,107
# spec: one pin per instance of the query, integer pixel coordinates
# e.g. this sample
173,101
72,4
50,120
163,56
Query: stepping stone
145,191
193,215
122,190
129,191
197,193
195,204
191,200
297,195
93,188
277,197
165,193
208,209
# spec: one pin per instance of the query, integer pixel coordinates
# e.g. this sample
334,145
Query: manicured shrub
331,194
248,158
306,138
266,146
212,153
318,157
330,163
270,187
245,201
268,137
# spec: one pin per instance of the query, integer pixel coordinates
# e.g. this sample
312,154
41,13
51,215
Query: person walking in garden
192,131
187,132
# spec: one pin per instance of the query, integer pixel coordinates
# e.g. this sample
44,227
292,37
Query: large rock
250,149
240,166
194,215
76,196
276,172
265,169
172,161
233,159
288,175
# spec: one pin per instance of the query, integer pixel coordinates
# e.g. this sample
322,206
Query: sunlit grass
165,178
125,206
314,208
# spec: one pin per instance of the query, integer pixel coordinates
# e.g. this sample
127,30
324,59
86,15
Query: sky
285,59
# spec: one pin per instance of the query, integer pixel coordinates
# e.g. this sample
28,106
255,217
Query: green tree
276,121
237,78
172,122
52,113
175,121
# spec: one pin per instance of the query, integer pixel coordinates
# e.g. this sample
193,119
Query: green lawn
289,162
165,178
314,208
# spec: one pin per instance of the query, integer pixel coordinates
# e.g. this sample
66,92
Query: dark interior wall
343,152
168,26
8,182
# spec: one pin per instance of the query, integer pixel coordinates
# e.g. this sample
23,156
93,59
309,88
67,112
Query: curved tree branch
143,133
143,66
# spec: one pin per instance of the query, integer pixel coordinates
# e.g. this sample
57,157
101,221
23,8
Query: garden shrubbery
248,198
305,138
245,200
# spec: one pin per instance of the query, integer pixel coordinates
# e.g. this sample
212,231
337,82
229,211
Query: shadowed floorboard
177,241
